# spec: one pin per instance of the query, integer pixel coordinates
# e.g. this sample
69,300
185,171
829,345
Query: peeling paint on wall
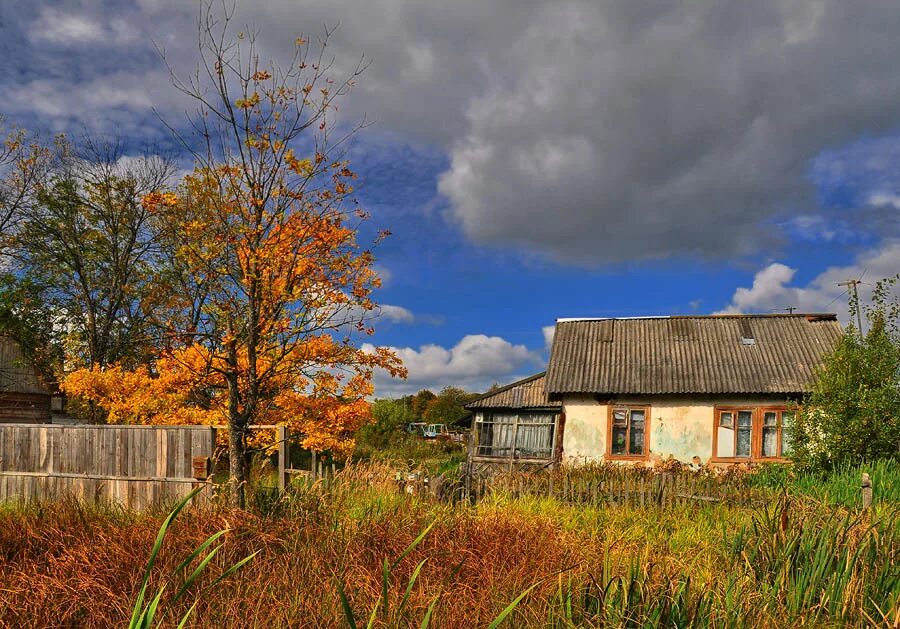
681,428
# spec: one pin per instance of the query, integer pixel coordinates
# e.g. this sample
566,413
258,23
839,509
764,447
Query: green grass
840,487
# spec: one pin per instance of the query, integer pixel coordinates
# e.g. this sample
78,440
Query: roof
709,354
526,393
17,373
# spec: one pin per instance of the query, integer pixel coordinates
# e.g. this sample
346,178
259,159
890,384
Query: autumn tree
274,289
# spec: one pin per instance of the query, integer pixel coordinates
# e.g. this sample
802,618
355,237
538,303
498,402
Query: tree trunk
237,465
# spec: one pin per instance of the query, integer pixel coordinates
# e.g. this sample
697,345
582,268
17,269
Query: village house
698,389
23,398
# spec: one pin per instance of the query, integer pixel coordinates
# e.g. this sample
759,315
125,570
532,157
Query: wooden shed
24,399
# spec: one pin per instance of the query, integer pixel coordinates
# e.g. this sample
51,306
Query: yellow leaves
302,167
261,75
300,42
247,103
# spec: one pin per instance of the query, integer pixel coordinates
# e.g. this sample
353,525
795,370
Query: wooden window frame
609,426
756,431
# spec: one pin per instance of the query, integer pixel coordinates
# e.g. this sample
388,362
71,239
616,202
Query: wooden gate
136,466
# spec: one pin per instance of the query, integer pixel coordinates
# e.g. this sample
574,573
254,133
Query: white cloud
474,363
885,198
772,287
549,331
54,26
396,314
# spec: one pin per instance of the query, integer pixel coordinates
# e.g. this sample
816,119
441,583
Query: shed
23,397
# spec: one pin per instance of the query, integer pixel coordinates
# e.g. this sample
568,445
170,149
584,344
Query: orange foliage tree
269,289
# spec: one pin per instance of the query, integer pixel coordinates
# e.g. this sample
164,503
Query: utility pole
788,309
851,287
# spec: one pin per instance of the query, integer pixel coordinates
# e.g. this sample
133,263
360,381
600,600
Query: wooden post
281,436
313,464
866,491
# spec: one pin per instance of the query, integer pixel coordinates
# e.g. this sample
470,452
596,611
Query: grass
839,488
798,561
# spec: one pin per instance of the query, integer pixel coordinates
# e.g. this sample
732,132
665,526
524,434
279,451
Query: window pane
744,429
620,417
636,445
619,434
787,423
725,442
534,438
726,420
743,442
770,418
770,441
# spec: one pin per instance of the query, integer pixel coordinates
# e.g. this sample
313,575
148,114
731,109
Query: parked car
435,431
416,428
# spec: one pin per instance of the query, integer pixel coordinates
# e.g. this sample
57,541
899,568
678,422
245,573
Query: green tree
448,406
90,245
853,412
389,421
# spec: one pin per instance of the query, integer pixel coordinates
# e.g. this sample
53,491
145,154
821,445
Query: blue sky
536,160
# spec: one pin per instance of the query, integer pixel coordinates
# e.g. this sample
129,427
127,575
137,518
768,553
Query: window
752,433
628,437
508,434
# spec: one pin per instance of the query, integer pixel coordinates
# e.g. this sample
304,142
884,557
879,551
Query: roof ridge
830,316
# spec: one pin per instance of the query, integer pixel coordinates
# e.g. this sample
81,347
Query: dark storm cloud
589,131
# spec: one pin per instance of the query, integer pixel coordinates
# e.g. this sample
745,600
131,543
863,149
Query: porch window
628,435
522,435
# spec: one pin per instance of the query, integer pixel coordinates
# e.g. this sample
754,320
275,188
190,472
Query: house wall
680,427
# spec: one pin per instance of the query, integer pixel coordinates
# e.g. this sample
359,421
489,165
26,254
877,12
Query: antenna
851,286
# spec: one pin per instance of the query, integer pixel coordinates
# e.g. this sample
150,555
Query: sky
543,159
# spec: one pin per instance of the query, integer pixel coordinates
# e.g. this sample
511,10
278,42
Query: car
416,428
434,431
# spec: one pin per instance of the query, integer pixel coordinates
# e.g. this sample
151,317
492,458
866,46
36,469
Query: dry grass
66,565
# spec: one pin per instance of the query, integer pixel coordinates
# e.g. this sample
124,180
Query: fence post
281,436
866,491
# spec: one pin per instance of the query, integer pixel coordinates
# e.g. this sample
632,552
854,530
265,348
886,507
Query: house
23,397
698,389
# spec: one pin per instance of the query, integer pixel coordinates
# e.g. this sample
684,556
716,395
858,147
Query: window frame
485,417
609,432
756,433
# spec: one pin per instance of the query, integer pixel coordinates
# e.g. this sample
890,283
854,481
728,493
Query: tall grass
794,562
840,487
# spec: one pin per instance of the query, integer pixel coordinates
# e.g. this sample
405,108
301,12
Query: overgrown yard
803,560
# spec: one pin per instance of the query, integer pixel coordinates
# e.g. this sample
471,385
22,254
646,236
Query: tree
419,402
853,412
265,232
88,242
24,164
448,407
390,418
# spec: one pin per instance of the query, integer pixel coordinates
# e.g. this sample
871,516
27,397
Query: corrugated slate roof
17,374
712,354
526,393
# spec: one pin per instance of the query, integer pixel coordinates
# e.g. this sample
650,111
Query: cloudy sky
540,159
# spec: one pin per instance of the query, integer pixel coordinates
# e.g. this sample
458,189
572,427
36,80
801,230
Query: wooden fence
618,486
136,466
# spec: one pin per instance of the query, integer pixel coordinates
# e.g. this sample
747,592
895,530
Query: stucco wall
680,427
